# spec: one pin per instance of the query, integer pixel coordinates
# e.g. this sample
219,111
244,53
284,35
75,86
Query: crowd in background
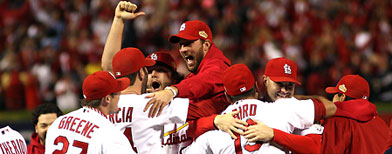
49,46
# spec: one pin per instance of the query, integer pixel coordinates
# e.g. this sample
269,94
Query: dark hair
44,109
251,92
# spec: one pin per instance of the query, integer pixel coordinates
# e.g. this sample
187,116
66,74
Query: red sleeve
206,83
200,126
298,144
207,107
319,110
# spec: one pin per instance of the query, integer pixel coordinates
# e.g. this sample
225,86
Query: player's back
85,130
145,134
284,115
11,141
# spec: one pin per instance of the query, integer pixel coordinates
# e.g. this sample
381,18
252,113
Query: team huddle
139,104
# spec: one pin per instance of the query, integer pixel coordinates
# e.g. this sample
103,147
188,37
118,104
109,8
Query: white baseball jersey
175,138
284,114
85,130
145,134
11,141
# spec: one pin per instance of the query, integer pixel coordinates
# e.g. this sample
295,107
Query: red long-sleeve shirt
204,87
35,147
355,128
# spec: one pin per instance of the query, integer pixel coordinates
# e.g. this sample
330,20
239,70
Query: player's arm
329,106
295,143
206,82
226,123
124,11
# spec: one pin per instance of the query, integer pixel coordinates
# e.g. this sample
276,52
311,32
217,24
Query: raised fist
126,10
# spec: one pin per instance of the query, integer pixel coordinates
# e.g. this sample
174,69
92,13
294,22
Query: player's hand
229,124
126,10
159,100
259,132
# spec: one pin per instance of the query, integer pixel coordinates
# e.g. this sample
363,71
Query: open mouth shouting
189,60
156,85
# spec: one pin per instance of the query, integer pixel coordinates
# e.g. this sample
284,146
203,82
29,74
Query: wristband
172,90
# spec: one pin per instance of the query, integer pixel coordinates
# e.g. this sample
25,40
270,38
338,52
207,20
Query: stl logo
287,69
182,27
242,89
154,56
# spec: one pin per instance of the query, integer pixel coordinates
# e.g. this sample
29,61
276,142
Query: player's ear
106,100
206,46
227,97
342,98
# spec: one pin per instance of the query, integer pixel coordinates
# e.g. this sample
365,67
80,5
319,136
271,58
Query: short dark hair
243,96
44,109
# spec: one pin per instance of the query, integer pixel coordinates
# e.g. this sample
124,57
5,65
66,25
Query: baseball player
206,64
43,116
163,73
11,141
355,127
144,134
284,114
87,130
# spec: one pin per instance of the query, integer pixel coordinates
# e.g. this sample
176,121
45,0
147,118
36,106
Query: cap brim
149,62
176,38
285,79
331,90
122,84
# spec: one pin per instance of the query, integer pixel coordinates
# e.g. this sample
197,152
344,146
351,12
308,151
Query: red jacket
35,147
206,84
355,128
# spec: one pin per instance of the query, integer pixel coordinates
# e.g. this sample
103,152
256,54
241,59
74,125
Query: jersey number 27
76,143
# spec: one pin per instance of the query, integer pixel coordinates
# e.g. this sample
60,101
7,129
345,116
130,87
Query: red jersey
35,147
355,128
206,84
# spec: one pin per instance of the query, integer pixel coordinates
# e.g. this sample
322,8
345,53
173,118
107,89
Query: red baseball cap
128,61
101,84
163,57
192,30
351,85
282,70
238,79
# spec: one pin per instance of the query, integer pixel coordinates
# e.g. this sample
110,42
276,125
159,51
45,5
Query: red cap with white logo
163,57
282,70
238,79
192,30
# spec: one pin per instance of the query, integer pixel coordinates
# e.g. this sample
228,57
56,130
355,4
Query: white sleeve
301,112
117,144
314,129
175,112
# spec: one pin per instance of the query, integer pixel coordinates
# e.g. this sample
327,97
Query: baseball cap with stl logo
192,30
282,70
165,58
101,84
128,61
351,85
238,79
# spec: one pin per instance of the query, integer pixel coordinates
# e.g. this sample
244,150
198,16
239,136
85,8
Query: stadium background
47,47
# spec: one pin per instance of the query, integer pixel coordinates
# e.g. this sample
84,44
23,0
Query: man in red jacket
206,64
43,116
355,127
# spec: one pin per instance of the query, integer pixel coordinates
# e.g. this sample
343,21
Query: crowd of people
48,47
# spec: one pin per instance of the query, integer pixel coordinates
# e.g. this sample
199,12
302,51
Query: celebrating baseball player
11,141
206,64
284,114
43,116
355,127
87,130
163,73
